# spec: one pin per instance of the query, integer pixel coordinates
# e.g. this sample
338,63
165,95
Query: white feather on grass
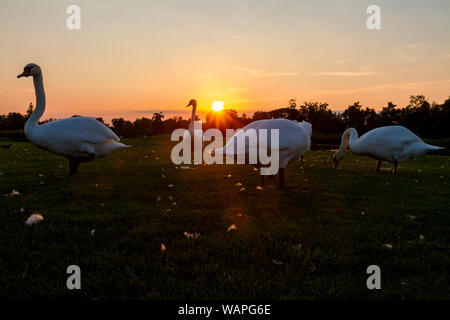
34,218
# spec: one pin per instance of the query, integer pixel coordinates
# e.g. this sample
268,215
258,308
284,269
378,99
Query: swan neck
352,136
349,136
194,107
40,101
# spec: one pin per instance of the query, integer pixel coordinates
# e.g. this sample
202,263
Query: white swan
80,139
393,144
308,128
294,141
195,134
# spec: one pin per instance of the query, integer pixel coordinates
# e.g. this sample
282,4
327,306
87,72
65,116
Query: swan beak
25,73
336,163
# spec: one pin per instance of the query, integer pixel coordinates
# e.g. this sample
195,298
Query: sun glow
217,105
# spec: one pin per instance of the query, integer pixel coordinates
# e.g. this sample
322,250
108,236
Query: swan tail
432,148
103,149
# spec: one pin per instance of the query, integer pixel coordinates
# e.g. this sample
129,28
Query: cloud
411,52
228,35
343,73
411,46
264,74
237,89
226,92
383,86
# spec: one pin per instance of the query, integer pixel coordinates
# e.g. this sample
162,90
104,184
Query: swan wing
290,135
80,129
389,143
391,136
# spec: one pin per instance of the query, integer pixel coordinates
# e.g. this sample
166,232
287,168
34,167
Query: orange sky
133,58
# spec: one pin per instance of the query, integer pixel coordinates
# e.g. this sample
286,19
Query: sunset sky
132,58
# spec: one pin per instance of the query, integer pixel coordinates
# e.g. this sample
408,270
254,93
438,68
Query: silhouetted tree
29,111
157,126
390,115
421,117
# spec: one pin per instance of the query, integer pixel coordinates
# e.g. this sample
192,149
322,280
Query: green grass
320,208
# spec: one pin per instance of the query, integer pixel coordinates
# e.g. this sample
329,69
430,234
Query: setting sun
217,105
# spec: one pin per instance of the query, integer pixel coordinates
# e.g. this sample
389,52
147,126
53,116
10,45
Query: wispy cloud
226,92
237,89
229,35
343,73
411,52
411,46
383,86
264,74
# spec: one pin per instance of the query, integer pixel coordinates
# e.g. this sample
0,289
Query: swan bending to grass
294,141
393,144
80,139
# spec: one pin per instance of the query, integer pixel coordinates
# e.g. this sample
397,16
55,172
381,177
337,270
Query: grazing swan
308,128
394,144
195,133
295,140
80,139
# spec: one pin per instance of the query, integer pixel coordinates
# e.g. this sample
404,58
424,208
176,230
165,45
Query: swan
393,144
80,139
308,128
294,141
194,133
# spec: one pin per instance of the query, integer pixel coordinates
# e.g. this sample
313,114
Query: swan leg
75,162
73,165
395,167
379,165
281,176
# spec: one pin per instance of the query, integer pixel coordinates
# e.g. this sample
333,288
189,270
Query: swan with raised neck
80,139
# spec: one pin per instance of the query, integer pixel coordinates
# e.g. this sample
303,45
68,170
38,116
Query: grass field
314,239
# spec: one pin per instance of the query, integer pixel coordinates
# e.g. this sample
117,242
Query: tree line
421,117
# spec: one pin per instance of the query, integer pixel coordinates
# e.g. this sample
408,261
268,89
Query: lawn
312,240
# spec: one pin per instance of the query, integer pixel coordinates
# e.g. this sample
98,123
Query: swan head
30,69
335,160
192,102
338,156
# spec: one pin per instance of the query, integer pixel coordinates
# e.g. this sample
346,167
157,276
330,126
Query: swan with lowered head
294,141
393,144
80,139
308,128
